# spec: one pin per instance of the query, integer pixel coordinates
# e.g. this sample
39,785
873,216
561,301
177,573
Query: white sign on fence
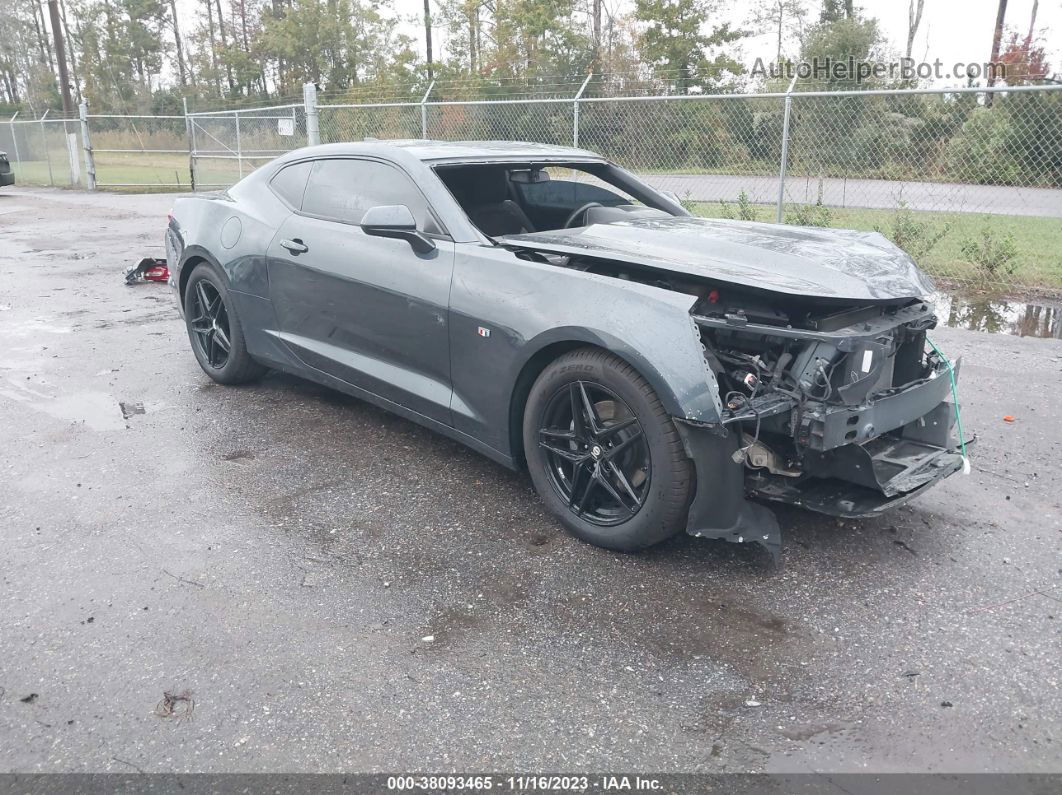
285,126
75,158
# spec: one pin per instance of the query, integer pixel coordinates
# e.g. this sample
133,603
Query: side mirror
395,220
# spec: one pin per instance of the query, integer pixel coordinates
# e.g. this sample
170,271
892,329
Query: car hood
798,260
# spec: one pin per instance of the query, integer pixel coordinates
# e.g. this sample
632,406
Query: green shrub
981,153
817,214
745,210
992,254
914,236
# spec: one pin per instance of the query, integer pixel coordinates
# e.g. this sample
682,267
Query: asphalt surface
866,193
277,555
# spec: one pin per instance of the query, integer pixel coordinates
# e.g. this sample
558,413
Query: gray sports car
653,371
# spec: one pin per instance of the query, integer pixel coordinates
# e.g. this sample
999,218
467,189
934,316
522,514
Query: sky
951,30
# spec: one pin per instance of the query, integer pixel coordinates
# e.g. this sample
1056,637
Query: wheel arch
551,350
194,256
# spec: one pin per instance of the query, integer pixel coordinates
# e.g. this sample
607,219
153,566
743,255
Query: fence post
189,130
309,101
44,143
14,139
785,148
424,111
239,146
86,144
575,111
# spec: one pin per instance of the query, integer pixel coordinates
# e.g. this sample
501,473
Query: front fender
508,316
675,370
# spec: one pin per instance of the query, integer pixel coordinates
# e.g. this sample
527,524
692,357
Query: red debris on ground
149,269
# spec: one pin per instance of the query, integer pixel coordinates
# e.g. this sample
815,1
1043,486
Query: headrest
480,185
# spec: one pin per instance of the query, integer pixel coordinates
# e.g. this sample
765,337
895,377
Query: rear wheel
214,329
604,454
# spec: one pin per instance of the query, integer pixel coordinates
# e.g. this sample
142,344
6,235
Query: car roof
456,151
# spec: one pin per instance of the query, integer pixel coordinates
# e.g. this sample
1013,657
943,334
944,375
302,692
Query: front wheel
603,453
214,329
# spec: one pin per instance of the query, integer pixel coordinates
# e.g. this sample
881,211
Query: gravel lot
280,552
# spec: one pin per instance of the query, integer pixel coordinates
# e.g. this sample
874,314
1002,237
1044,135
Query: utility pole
427,37
1032,21
60,57
177,41
997,38
595,62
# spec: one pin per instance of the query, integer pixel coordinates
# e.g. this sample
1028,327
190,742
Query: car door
367,310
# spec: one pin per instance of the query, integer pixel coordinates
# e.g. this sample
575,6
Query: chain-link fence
225,146
139,151
45,151
969,183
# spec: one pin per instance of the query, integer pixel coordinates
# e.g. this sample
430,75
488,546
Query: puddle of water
997,315
96,410
38,325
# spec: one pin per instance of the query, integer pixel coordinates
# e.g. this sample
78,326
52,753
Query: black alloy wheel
596,453
603,452
214,328
209,322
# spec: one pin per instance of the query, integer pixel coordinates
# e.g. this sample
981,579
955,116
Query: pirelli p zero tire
603,453
214,329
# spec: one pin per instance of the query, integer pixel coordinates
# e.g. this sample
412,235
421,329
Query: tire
652,505
207,332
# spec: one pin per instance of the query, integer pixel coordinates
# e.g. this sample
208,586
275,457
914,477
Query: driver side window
343,189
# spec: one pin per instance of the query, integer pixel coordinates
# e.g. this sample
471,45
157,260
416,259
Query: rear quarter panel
232,230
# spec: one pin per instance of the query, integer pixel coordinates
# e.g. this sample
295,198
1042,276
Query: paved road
279,552
869,193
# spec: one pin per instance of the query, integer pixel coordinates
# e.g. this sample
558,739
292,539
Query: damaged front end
829,395
844,410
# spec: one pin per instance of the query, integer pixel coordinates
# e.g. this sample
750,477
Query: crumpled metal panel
797,260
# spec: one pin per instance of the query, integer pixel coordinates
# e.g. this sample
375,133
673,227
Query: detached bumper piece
149,269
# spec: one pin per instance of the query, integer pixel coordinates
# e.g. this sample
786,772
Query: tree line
147,55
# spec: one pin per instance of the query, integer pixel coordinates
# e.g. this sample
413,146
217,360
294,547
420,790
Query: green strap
954,394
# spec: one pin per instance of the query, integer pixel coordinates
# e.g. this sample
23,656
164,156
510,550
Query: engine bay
801,377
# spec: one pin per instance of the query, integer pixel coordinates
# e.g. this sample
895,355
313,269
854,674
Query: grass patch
1037,261
131,172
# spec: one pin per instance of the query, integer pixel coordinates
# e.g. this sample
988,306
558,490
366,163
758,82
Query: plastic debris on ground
149,269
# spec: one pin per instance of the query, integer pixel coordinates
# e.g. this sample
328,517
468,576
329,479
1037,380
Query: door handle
295,246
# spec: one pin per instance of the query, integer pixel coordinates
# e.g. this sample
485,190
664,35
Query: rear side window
290,183
342,190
